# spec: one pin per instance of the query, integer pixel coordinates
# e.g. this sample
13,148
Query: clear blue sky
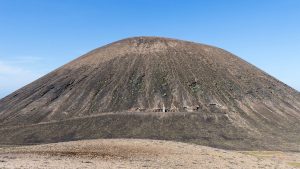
37,36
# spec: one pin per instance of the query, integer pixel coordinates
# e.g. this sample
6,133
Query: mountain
158,88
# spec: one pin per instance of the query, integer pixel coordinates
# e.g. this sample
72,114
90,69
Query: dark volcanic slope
115,90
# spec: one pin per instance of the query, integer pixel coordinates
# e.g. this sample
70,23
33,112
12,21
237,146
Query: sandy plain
138,153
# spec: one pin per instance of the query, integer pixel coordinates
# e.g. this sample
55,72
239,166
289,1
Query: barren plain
139,153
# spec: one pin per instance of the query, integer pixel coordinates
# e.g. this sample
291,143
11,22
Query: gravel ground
135,153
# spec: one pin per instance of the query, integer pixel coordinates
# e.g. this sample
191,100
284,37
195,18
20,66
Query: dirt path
127,153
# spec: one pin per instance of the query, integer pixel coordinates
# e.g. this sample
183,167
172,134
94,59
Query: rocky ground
135,153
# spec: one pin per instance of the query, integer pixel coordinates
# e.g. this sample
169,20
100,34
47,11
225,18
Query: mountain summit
152,87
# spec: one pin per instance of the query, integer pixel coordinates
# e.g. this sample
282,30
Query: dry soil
138,153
